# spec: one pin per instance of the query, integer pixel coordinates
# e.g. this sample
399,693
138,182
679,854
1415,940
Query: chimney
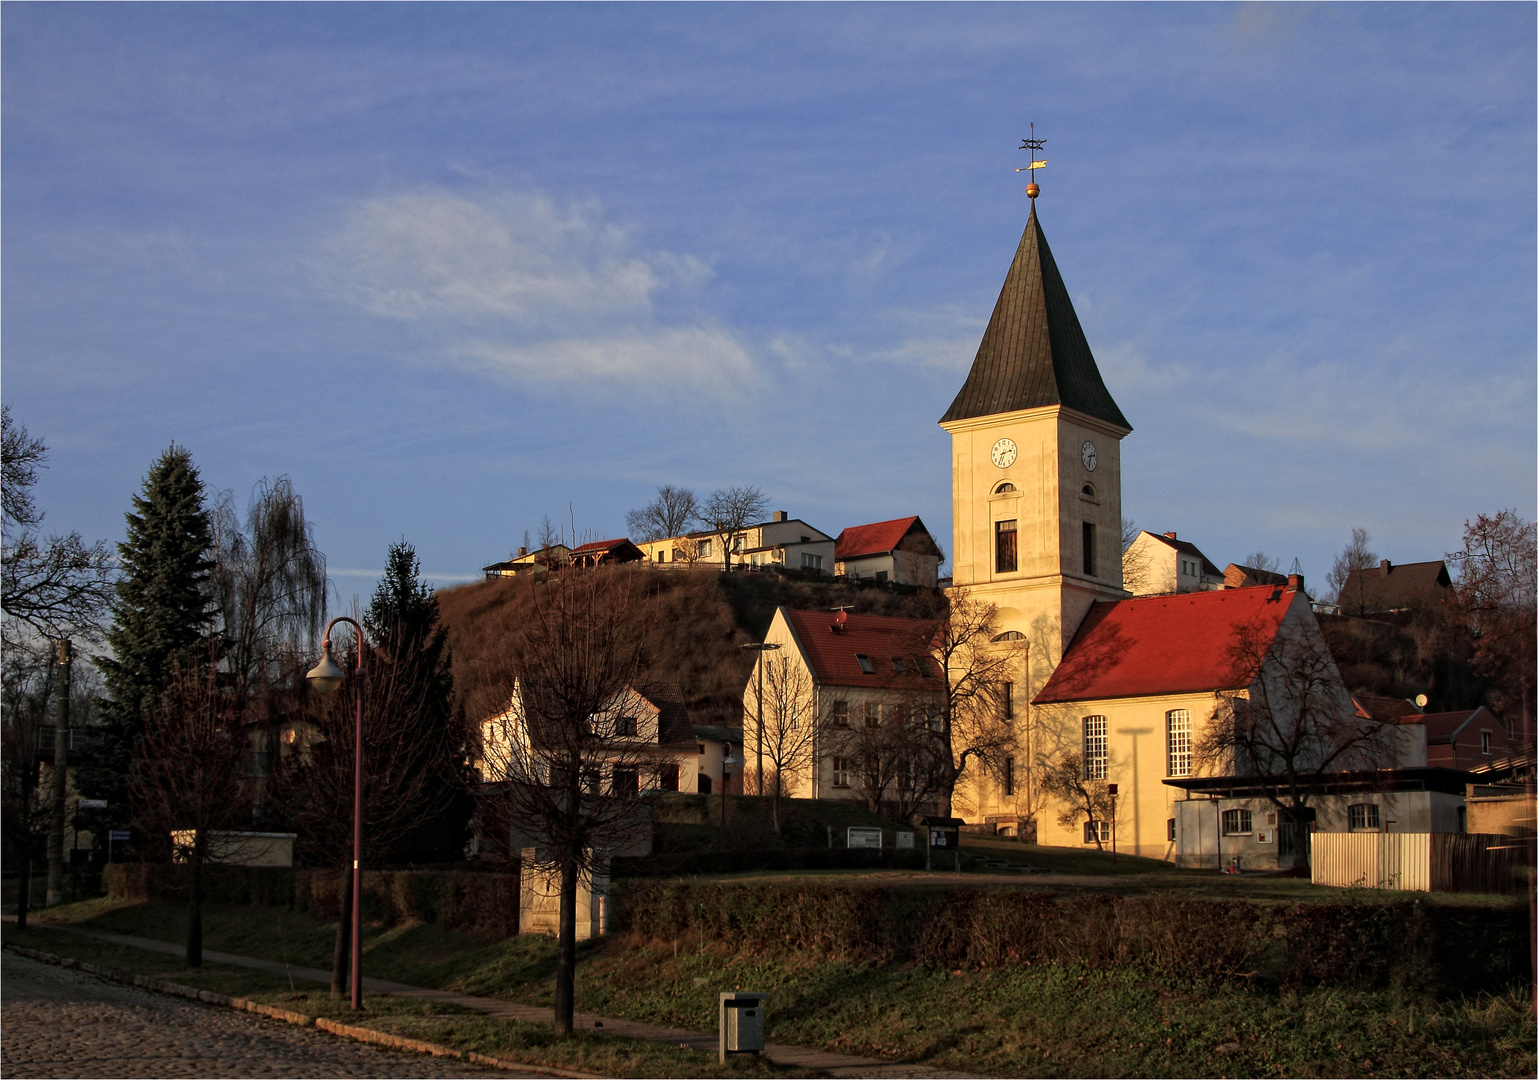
522,552
1172,536
1384,567
1294,582
780,515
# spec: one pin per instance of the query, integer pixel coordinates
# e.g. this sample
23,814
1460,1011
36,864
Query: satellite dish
1420,701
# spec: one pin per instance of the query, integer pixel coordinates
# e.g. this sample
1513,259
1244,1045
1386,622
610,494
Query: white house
899,551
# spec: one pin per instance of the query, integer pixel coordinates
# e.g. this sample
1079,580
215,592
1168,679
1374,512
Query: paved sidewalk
823,1061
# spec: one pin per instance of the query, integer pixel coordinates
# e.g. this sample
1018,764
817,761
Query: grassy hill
703,618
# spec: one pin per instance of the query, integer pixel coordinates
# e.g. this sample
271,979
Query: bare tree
1497,598
1294,729
1356,555
27,690
1262,562
782,694
189,776
53,587
728,511
978,704
1064,781
898,753
565,735
1135,571
669,514
269,582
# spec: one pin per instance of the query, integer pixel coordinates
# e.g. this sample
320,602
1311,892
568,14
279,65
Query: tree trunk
195,904
342,951
566,949
24,896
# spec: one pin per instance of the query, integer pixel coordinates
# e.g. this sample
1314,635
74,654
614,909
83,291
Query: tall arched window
1177,727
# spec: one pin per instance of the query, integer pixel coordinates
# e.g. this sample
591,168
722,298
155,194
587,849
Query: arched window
1088,490
1010,635
1004,489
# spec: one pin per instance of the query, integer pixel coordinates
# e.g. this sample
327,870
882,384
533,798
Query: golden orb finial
1033,189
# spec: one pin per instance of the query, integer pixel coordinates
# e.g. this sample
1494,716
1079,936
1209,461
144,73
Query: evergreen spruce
163,608
402,620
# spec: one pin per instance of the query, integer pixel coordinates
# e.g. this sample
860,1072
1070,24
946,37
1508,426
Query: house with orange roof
866,682
900,551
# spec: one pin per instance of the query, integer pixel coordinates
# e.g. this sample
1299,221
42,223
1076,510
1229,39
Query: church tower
1036,464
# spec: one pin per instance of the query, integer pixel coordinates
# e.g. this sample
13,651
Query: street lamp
327,677
726,763
760,649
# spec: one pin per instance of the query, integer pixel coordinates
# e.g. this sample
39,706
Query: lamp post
1111,791
727,761
760,649
327,677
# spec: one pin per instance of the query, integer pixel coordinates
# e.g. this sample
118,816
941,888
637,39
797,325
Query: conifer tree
402,620
163,608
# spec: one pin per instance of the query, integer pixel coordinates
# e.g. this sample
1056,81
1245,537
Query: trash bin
742,1023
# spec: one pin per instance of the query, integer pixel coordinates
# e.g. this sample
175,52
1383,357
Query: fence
1424,862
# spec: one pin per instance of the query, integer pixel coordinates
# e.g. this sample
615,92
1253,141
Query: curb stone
330,1027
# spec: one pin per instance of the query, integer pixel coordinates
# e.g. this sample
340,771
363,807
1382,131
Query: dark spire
1033,352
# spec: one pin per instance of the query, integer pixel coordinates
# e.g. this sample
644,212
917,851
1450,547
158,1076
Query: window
840,772
625,782
704,784
811,562
702,748
935,717
1362,816
705,549
1237,823
667,777
898,665
1169,830
1006,558
881,576
1484,743
1094,748
1009,776
1007,700
1097,832
841,714
865,665
1088,490
1010,635
1177,725
897,716
737,544
625,727
1004,489
872,714
1089,549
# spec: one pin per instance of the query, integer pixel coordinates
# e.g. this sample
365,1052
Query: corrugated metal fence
1427,862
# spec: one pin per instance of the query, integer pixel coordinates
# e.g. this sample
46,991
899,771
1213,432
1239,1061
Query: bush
1402,942
728,862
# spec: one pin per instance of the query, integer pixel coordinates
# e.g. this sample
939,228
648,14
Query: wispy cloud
518,285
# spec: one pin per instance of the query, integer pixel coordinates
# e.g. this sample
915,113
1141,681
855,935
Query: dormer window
865,665
897,665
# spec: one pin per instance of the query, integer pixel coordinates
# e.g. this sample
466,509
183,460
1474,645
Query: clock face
1088,456
1004,453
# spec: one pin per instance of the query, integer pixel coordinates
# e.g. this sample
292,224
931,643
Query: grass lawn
1021,1020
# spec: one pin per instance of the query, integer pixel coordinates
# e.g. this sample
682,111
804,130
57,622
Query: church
1124,689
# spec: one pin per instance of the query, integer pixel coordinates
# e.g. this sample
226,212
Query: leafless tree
53,587
1262,562
27,690
312,778
1135,571
782,695
1356,555
1064,781
189,777
269,582
978,700
669,514
728,511
1294,729
564,733
1497,597
898,753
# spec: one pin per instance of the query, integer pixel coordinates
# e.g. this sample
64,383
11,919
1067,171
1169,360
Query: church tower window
1006,558
1089,549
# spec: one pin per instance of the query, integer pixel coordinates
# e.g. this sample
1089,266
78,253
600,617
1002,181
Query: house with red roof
1145,679
868,687
900,551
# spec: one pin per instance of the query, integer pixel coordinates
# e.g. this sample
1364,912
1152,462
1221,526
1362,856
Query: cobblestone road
61,1023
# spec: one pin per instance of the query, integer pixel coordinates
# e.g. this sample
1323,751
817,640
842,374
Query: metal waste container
742,1023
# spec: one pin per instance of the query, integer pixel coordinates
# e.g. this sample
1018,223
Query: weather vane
1035,146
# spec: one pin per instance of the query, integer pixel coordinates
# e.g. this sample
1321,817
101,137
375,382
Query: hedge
452,900
1408,943
734,862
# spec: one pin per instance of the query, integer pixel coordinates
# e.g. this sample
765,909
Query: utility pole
55,894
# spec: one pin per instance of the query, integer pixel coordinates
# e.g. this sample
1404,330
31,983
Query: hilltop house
900,551
782,541
1393,593
1163,563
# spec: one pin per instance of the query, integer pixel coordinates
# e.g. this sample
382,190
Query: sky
454,268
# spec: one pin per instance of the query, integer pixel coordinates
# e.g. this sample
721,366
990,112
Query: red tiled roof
1165,644
600,545
877,538
834,654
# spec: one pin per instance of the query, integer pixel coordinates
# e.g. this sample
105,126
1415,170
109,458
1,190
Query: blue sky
454,268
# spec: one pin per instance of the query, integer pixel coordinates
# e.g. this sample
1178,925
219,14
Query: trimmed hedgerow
1399,942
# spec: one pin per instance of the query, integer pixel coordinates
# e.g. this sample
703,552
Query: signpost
117,836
